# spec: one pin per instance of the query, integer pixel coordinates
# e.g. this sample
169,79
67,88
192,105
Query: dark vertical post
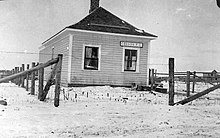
16,79
171,81
149,83
57,81
33,80
13,72
194,81
41,82
188,84
27,79
22,77
49,83
152,79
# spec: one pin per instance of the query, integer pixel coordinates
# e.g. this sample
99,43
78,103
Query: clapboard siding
60,45
111,60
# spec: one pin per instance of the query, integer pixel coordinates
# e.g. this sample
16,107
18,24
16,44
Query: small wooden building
213,76
101,49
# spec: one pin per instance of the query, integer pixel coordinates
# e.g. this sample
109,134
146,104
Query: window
130,60
91,58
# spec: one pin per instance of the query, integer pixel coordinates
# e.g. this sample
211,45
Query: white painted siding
111,60
61,46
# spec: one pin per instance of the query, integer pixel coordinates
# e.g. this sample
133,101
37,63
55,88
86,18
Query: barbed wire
64,55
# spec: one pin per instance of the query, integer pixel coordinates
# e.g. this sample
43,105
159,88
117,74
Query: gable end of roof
104,21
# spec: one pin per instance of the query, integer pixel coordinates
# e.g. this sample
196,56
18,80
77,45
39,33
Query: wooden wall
111,60
110,72
61,46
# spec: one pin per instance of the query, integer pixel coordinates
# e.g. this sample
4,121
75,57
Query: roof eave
52,37
118,34
98,32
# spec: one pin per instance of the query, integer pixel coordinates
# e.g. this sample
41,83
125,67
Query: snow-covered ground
105,112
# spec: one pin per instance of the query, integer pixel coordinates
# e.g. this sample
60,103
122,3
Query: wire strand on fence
67,55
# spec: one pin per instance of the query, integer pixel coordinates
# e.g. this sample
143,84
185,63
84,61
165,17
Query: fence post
171,81
22,77
152,79
58,80
8,78
19,78
15,80
149,82
188,84
194,81
33,80
13,72
41,82
27,79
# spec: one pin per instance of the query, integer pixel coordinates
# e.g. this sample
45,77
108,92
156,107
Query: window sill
135,72
91,70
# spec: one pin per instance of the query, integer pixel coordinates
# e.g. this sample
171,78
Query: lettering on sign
131,44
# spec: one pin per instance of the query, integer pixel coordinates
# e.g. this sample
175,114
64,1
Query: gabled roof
102,20
214,72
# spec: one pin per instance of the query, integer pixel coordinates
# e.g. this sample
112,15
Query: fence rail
187,77
19,78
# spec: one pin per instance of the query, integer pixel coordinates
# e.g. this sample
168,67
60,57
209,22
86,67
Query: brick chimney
93,5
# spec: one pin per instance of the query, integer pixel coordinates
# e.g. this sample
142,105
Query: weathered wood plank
171,81
152,79
33,80
193,97
22,77
188,84
194,82
41,82
27,79
29,71
57,81
16,71
49,83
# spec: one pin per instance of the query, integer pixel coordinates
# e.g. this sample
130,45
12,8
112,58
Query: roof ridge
102,20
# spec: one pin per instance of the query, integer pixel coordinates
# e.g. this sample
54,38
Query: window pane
134,58
127,52
130,60
94,52
91,58
133,67
91,63
134,53
91,52
88,52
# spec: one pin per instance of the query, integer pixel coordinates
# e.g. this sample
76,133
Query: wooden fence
188,77
18,77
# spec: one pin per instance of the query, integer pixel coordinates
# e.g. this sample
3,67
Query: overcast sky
188,30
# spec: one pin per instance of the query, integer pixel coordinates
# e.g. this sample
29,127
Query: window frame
137,60
83,57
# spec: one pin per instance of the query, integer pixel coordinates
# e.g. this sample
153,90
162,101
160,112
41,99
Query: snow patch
101,112
140,31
